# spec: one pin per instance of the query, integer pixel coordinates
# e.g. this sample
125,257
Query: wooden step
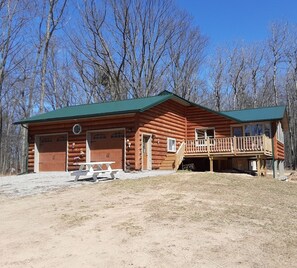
169,162
165,168
170,156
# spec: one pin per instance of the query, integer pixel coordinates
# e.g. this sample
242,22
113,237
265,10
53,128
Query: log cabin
158,132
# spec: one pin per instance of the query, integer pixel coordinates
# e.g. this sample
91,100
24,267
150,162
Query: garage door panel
108,146
52,153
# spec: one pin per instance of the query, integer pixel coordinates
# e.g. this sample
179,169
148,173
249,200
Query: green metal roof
143,104
257,114
98,109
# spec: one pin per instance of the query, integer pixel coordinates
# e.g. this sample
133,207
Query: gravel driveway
35,183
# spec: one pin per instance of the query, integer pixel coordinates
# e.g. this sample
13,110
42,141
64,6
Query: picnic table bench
95,169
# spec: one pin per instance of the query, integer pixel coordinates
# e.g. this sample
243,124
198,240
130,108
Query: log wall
163,121
278,147
77,143
280,153
201,118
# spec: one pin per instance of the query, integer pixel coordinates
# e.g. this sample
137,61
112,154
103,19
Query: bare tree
126,48
276,44
255,62
53,10
238,76
12,21
186,52
290,54
59,90
217,78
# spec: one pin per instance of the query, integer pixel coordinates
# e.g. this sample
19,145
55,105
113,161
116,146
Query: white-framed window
280,133
201,135
171,145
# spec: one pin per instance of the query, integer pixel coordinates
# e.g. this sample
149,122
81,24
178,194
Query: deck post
234,145
275,169
211,164
281,168
264,167
208,146
258,165
264,143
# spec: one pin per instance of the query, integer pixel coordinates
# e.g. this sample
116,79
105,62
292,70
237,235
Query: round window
76,129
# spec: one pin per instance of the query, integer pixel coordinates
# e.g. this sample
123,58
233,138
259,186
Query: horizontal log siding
278,147
200,118
166,120
127,122
280,151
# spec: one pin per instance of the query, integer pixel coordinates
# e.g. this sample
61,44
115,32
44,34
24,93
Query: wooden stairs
168,163
173,160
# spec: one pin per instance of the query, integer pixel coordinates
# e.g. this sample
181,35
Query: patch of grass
75,219
130,227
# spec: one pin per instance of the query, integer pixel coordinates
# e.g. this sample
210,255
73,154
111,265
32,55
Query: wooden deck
229,146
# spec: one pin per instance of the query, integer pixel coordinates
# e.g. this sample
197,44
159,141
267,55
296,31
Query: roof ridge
111,107
105,102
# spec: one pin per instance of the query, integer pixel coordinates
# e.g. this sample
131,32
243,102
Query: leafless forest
56,53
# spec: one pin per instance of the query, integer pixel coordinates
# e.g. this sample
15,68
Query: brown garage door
108,146
52,153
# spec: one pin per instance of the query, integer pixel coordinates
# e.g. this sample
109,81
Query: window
76,129
237,131
46,139
117,135
171,145
280,133
204,133
254,130
62,138
267,129
98,136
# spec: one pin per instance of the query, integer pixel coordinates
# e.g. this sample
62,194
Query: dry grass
181,220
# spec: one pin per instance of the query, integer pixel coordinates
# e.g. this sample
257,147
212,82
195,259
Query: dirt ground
179,220
292,176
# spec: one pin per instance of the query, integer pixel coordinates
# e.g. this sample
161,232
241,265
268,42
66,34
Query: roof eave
73,117
262,120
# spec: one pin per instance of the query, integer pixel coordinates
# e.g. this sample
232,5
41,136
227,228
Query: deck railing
229,145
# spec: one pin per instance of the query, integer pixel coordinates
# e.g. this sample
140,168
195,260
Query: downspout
26,171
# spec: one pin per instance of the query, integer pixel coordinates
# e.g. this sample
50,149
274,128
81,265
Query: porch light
128,143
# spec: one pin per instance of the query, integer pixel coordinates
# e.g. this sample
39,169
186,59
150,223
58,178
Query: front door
146,153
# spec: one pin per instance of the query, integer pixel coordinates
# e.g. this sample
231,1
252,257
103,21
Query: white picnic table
95,169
